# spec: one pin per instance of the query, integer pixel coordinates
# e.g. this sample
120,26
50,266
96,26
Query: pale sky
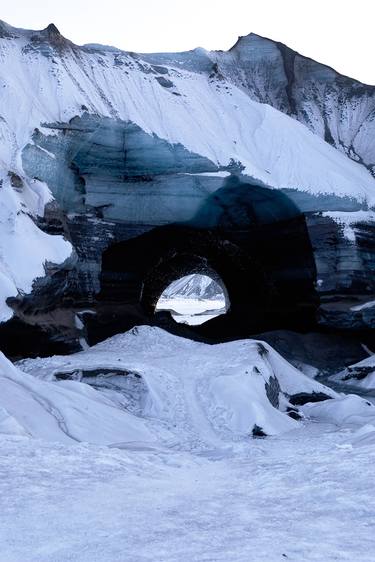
339,33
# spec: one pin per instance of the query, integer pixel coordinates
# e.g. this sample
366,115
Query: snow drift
148,386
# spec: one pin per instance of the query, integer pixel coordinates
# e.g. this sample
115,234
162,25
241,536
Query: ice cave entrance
193,299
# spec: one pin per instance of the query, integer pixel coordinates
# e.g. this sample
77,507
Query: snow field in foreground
303,496
180,479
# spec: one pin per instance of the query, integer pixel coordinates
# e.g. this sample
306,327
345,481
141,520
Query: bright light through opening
193,299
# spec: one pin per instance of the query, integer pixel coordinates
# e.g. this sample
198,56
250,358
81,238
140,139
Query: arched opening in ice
194,299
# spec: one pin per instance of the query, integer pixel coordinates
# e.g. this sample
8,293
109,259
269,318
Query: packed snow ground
304,496
180,478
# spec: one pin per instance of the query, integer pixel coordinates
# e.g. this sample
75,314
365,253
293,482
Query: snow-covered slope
147,385
337,108
24,248
182,99
47,79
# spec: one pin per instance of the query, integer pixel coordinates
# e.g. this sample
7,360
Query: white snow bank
364,436
177,392
9,425
62,412
360,375
351,414
349,410
24,248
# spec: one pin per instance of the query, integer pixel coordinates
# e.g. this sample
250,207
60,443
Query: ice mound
148,386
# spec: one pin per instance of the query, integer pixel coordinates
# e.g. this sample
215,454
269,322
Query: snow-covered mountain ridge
48,79
337,108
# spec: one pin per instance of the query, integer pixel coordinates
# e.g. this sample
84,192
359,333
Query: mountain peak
51,29
249,39
5,29
52,36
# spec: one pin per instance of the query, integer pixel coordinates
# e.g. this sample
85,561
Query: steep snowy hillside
103,129
337,108
47,79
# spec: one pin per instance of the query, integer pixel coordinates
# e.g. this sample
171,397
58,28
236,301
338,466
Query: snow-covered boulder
345,410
